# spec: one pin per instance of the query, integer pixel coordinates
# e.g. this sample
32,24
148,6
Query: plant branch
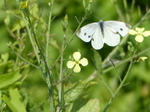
118,89
126,60
70,39
125,38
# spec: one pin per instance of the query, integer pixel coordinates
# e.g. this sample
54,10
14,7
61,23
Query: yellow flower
142,59
75,64
24,5
140,34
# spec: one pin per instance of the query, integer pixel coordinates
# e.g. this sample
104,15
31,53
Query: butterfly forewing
121,27
87,31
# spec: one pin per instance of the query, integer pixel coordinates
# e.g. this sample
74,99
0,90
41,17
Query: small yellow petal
139,38
77,68
142,59
24,4
132,32
83,62
146,33
76,56
139,30
70,64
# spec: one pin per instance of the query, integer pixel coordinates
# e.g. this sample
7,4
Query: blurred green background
135,96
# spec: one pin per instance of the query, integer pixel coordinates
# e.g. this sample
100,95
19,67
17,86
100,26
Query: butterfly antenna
98,17
94,16
77,19
106,16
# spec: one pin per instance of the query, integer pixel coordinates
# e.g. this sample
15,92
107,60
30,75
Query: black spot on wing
121,29
89,36
116,33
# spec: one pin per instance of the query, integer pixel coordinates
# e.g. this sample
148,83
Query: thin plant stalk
118,89
48,31
126,60
70,39
60,96
125,38
30,37
46,71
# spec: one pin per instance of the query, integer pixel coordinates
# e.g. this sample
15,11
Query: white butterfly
103,32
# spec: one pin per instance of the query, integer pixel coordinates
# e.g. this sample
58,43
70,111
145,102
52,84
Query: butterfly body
103,32
101,24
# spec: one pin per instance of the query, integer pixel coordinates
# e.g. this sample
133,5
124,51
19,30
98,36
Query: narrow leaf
91,106
14,100
9,79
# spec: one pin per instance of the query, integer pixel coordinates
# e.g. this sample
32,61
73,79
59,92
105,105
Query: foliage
36,73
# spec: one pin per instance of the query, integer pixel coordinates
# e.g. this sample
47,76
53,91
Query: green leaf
9,79
91,106
4,62
72,91
4,66
131,48
18,25
97,61
5,57
14,100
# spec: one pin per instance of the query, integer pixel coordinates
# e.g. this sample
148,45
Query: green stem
48,31
24,58
30,36
46,71
70,39
60,97
126,60
143,18
49,81
122,81
125,38
106,86
118,89
118,10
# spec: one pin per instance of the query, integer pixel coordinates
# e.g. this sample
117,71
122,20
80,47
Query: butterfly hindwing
97,40
111,36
